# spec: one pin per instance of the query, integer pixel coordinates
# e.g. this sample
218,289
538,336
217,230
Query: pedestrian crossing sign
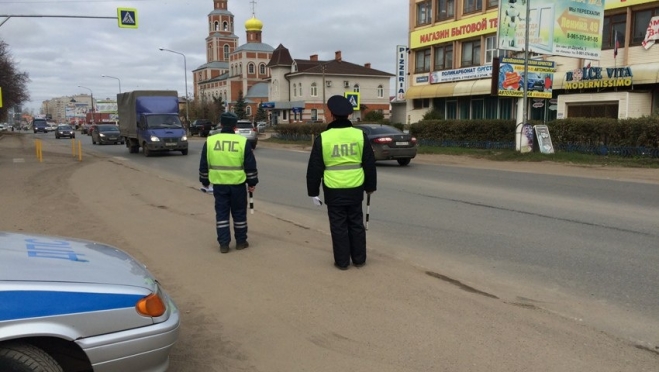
127,17
354,99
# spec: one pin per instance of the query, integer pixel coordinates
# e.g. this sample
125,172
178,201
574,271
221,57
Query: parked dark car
390,143
201,127
65,131
40,125
106,133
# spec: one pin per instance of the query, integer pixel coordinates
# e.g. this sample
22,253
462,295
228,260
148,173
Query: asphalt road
581,247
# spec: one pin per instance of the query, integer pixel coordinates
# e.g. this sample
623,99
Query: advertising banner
560,27
464,28
652,34
109,107
466,73
511,78
401,72
544,139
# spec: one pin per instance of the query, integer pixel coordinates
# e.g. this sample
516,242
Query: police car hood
26,257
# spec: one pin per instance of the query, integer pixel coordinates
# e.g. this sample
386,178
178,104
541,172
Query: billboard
401,72
511,78
559,27
109,107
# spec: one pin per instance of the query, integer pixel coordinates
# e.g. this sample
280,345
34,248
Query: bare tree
12,82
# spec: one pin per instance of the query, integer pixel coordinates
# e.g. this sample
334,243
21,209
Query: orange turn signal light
151,305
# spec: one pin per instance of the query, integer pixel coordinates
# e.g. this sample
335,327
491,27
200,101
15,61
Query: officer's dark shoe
340,267
359,264
243,245
224,249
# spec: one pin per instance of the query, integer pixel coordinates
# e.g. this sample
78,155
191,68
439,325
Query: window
491,107
356,88
423,13
612,25
451,109
380,91
248,110
422,60
262,69
217,26
225,26
294,90
471,53
444,57
226,52
445,9
492,3
251,69
471,6
490,49
314,114
463,106
589,110
476,108
506,108
421,103
640,23
314,90
301,91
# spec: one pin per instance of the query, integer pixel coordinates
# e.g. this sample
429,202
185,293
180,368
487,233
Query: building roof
214,64
254,47
257,90
224,76
280,57
221,12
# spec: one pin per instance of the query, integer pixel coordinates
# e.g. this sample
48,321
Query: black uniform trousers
230,199
348,234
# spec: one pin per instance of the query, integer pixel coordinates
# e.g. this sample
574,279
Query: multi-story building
232,69
299,88
453,43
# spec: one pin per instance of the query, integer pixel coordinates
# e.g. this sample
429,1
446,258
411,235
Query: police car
71,305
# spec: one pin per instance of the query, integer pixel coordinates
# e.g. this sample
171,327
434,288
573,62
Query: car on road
390,143
65,130
84,128
106,134
201,127
3,127
246,129
260,126
75,305
40,125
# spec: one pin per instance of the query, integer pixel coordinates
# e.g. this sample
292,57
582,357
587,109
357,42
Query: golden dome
253,24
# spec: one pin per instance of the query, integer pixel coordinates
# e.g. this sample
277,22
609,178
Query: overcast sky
60,54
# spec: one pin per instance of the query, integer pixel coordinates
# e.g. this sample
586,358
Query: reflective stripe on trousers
230,201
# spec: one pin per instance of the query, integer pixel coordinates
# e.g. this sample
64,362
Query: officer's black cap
339,106
228,119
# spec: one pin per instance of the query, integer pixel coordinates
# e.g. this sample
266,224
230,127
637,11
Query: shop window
380,91
422,61
445,9
421,103
471,53
423,13
505,108
444,57
463,108
471,6
477,108
640,23
439,105
492,3
451,110
314,90
614,24
590,110
491,107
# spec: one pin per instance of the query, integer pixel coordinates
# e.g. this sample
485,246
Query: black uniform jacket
249,163
316,168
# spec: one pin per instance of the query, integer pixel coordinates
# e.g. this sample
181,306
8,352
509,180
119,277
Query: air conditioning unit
346,84
328,83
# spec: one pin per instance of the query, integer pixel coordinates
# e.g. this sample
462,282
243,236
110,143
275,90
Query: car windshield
244,124
163,122
107,128
383,129
64,127
39,123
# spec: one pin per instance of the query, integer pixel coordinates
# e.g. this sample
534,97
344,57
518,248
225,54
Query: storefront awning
430,91
462,88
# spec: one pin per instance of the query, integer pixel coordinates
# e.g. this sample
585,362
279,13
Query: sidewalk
280,305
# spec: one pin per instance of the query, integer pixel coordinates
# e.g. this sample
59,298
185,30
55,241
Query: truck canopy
132,105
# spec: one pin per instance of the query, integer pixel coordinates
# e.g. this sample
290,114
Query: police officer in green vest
342,158
228,163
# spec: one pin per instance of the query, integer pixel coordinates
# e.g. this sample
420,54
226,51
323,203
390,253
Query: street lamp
185,72
92,95
112,77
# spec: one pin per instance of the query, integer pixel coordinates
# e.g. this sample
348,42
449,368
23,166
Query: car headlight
101,135
184,138
155,139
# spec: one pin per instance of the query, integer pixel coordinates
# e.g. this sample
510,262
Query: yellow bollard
73,147
79,150
36,148
39,151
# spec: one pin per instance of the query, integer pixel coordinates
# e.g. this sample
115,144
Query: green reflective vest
225,153
342,155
